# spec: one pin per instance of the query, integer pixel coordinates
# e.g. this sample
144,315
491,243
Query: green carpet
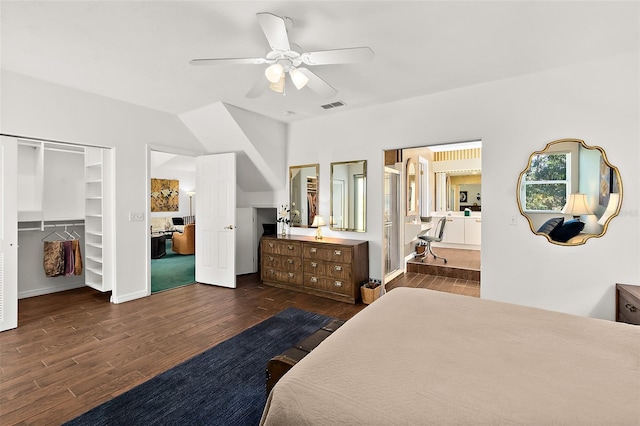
172,270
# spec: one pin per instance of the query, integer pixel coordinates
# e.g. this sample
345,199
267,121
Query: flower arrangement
283,216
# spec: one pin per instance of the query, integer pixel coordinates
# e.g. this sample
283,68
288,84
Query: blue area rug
223,386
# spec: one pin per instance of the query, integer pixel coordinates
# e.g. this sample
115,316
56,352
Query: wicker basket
370,292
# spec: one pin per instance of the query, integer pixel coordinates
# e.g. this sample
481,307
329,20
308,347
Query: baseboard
129,297
48,290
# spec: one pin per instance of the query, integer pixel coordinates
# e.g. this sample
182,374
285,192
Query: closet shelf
95,259
94,233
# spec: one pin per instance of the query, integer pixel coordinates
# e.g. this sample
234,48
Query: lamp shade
318,221
299,79
577,205
612,207
274,73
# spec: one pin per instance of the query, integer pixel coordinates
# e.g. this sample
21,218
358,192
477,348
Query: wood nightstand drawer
628,304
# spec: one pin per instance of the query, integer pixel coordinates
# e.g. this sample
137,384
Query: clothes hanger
63,238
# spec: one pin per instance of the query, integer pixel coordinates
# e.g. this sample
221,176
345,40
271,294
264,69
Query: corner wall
512,117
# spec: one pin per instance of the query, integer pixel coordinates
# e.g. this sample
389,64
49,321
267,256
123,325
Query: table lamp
318,222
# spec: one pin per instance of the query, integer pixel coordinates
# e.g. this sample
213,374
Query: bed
418,356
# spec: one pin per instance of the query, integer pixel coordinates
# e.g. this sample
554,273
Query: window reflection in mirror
412,187
348,210
303,196
569,192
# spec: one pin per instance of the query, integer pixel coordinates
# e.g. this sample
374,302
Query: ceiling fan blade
338,56
228,61
318,85
258,88
275,30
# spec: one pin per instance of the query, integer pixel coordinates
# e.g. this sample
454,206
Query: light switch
136,217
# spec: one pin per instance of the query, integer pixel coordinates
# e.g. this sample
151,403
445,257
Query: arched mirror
348,196
412,187
569,192
303,195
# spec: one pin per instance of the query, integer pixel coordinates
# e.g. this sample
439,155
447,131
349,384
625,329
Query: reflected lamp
577,205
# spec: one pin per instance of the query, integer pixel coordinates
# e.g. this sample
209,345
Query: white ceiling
138,52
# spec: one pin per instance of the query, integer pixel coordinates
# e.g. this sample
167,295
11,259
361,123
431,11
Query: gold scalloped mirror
569,192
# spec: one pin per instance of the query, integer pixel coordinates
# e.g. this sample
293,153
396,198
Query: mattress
418,356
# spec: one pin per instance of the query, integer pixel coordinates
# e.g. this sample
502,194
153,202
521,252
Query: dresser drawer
287,263
329,254
628,308
287,277
330,285
338,271
284,248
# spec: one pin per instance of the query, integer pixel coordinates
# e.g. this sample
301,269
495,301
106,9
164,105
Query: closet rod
62,225
28,138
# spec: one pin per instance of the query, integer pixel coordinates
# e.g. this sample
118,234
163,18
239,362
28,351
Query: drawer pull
290,261
314,279
291,275
314,265
271,272
313,250
337,252
270,258
630,307
338,268
270,245
290,247
338,283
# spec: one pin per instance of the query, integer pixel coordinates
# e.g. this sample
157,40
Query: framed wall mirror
348,211
412,187
303,195
569,192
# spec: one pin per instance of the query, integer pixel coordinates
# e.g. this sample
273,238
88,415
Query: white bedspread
418,357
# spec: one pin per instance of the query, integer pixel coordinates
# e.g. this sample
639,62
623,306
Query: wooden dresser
628,303
331,267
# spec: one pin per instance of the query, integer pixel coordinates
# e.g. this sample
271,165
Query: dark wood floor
74,350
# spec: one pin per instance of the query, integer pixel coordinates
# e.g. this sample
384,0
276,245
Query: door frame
147,185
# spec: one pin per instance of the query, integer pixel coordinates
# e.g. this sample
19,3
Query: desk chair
435,238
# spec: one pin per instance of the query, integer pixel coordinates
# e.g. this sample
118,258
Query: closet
65,192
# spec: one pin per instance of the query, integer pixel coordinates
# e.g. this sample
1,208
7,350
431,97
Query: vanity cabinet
461,230
331,267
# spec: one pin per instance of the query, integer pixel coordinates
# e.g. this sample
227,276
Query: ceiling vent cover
333,105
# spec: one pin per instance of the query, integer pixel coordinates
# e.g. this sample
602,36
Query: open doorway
440,185
172,220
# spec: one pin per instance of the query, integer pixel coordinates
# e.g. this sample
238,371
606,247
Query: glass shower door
391,218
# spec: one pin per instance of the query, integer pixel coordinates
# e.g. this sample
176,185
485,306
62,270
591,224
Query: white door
8,233
215,220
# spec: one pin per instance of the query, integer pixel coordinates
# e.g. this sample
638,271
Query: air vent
333,105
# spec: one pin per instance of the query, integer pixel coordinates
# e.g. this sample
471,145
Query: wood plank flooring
74,350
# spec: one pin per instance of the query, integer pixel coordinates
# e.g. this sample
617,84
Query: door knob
229,227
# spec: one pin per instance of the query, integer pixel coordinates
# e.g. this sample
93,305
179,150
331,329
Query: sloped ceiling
138,52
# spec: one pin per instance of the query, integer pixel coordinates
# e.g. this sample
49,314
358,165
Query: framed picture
164,195
463,196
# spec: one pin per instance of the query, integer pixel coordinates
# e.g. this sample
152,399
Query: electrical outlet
136,217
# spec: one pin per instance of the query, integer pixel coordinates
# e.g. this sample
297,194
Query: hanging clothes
62,258
69,261
78,257
53,258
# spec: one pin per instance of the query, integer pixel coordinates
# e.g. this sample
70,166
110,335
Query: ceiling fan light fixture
274,73
278,86
299,79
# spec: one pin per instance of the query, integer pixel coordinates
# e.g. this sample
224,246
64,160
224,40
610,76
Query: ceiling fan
283,59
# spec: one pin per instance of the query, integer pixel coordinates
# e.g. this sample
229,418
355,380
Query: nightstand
628,303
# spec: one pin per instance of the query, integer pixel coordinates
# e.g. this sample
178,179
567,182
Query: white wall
513,118
35,108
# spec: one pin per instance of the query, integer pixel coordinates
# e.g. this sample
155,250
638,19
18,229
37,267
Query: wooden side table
158,246
628,303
